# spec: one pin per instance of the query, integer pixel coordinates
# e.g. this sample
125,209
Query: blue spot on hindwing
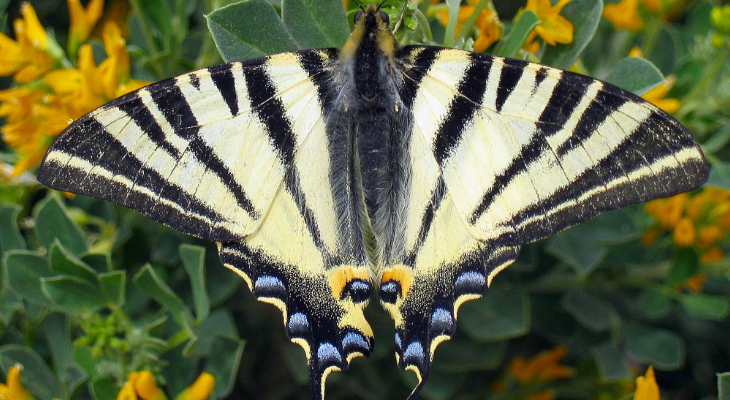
327,355
269,286
470,282
389,292
298,324
355,342
414,354
441,322
359,290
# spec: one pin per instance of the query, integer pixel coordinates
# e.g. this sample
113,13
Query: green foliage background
91,291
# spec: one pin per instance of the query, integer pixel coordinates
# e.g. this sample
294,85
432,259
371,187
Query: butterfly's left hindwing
237,153
506,152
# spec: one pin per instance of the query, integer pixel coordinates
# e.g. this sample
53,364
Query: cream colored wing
238,154
506,152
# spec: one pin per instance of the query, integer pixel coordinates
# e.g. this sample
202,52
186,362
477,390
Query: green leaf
36,377
53,222
464,355
219,323
610,362
193,259
67,264
583,246
720,175
706,306
315,23
654,304
159,13
73,295
660,347
249,29
589,311
113,286
148,281
10,237
57,332
685,264
225,356
723,386
10,303
635,74
103,388
517,36
585,16
100,262
24,271
503,313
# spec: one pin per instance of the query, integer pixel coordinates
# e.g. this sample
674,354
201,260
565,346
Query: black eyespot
358,16
385,17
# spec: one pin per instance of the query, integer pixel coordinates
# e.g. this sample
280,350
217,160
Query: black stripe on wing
88,140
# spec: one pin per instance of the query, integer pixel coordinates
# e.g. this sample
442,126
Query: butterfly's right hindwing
238,154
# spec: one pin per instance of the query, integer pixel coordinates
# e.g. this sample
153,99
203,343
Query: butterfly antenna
380,5
359,5
400,19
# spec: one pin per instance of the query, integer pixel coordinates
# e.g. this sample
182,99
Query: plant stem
147,32
466,28
700,87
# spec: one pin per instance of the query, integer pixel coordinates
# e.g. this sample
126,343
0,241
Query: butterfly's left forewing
240,154
505,152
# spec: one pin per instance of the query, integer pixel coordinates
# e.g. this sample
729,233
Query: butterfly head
371,30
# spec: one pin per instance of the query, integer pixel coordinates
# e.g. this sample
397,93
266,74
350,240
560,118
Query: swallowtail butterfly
420,170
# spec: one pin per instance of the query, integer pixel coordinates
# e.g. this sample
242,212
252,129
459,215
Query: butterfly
418,169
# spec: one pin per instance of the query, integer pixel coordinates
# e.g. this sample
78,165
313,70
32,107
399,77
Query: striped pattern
262,157
507,152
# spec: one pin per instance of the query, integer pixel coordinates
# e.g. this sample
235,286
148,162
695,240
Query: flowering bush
97,302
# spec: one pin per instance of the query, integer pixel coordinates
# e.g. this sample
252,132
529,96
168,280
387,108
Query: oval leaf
662,348
73,295
635,74
315,23
249,29
517,36
706,306
503,312
10,237
53,222
24,271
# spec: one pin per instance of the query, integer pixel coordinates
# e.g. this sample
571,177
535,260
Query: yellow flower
13,389
696,282
657,94
487,23
667,211
636,52
646,387
542,368
712,256
145,386
82,21
708,235
684,232
624,15
553,27
201,389
127,392
26,57
35,113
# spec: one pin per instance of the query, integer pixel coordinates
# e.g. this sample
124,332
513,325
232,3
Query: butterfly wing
506,152
237,154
